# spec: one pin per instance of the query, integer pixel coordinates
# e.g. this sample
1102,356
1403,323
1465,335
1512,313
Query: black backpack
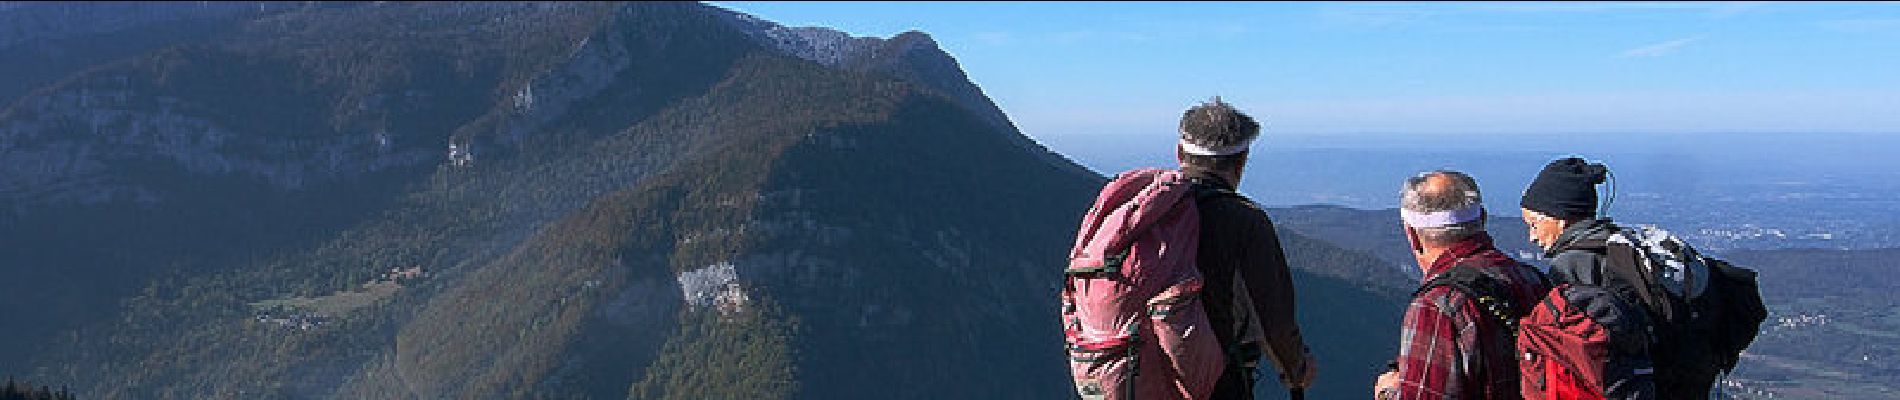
1703,311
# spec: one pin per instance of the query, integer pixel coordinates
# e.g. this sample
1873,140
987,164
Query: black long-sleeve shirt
1240,252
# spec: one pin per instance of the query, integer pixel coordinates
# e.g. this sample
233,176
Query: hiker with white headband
1177,287
1248,282
1457,341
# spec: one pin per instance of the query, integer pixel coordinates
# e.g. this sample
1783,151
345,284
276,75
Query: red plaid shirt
1440,354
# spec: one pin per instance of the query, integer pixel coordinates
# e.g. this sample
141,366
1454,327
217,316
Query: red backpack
1131,309
1584,343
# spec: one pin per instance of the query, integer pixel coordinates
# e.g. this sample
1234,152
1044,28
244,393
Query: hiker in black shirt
1248,291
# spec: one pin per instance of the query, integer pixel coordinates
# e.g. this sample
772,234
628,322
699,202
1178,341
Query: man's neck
1229,176
1231,179
1431,260
1428,257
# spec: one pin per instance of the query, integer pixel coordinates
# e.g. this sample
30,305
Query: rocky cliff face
26,22
283,97
62,37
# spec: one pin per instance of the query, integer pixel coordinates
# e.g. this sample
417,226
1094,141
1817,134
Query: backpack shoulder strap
1485,291
1628,263
1590,244
1617,265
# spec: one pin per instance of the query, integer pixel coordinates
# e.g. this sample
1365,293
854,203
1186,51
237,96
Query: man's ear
1411,235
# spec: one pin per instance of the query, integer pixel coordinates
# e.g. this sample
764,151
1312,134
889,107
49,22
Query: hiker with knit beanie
1560,207
1635,312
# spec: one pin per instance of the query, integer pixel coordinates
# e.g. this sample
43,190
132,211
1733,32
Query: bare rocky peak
826,46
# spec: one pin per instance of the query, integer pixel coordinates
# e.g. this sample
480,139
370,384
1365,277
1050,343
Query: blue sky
1061,69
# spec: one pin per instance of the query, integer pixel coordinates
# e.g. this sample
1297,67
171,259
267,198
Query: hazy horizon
1813,153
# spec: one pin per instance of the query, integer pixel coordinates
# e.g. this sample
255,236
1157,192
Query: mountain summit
597,200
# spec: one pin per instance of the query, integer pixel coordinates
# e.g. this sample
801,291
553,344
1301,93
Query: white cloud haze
1658,49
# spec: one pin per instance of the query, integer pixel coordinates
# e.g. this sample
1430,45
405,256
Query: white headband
1195,149
1441,218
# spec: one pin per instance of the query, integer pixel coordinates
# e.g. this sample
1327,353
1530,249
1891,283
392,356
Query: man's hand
1387,387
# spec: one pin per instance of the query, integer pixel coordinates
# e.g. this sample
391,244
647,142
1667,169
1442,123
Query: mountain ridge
566,251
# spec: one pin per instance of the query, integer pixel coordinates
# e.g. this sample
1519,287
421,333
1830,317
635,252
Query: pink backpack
1131,308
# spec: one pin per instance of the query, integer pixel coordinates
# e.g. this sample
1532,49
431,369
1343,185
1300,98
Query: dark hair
1217,124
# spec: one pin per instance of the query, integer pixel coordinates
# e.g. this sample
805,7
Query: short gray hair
1463,192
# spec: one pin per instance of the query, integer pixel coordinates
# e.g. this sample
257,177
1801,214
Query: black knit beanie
1566,189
